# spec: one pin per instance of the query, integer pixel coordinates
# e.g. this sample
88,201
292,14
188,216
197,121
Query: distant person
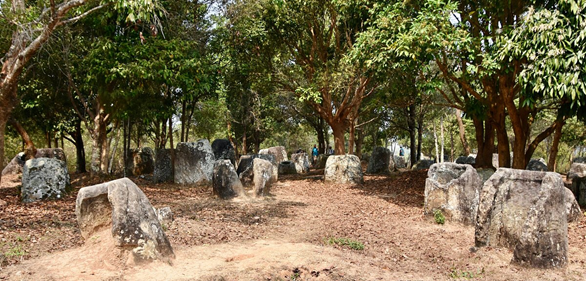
401,151
314,153
330,150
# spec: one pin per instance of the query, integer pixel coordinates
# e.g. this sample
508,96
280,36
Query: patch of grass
352,244
16,251
458,274
439,217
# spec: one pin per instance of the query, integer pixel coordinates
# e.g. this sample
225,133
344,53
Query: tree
317,35
32,24
462,39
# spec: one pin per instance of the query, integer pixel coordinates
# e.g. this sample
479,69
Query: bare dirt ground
282,237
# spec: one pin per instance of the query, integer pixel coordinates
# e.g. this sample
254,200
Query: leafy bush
439,217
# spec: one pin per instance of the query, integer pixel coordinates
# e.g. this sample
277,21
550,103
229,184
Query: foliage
457,274
352,244
438,216
552,46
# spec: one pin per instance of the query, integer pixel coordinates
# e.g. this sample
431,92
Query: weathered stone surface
495,160
525,211
343,169
263,171
423,164
15,166
536,165
400,162
485,173
226,183
163,169
194,163
123,206
470,160
245,169
577,174
572,207
301,161
321,161
44,178
223,149
453,189
581,160
381,161
287,168
278,151
165,216
140,161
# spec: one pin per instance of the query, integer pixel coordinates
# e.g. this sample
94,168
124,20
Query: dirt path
283,237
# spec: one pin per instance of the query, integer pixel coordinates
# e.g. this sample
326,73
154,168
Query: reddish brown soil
282,237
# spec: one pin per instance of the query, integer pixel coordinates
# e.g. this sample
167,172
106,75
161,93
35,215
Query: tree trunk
172,148
29,150
48,138
552,161
351,137
321,136
503,149
452,146
442,140
99,163
462,131
485,141
437,156
124,146
114,151
359,142
2,130
412,127
338,132
183,115
231,139
79,148
320,139
419,140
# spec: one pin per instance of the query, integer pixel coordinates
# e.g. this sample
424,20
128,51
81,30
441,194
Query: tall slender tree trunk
462,131
124,146
419,139
359,141
2,130
412,126
172,147
183,117
553,155
48,138
452,150
442,142
79,148
320,140
113,154
437,156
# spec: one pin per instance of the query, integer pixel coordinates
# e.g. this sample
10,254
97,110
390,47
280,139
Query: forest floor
286,236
